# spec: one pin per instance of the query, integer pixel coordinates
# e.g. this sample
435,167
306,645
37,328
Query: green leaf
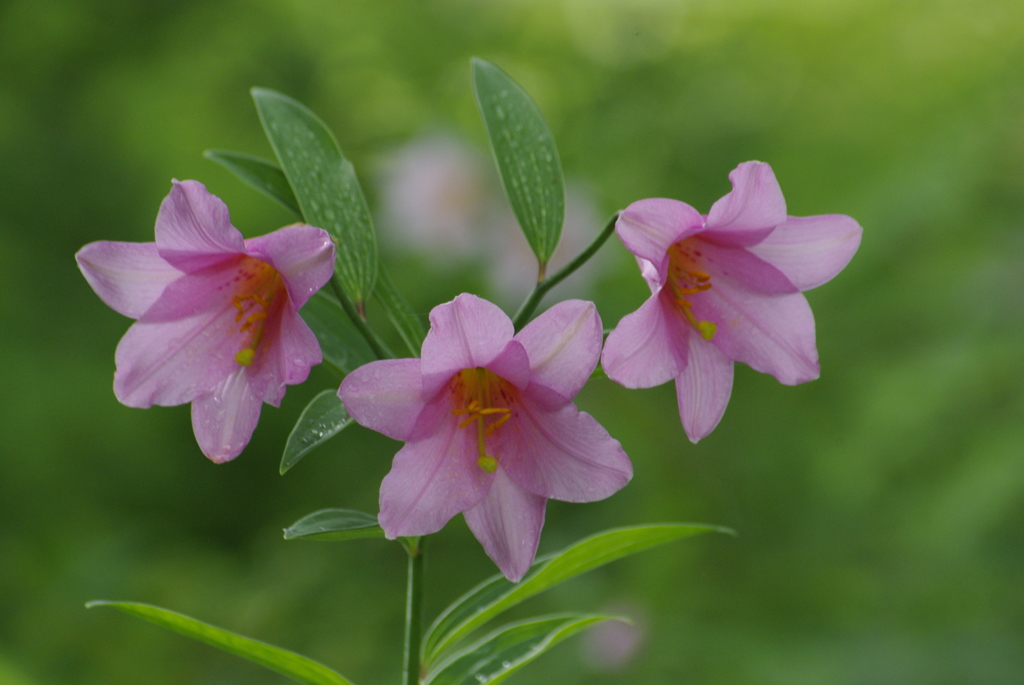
509,648
526,155
343,347
323,418
325,186
409,326
264,176
497,594
335,524
288,663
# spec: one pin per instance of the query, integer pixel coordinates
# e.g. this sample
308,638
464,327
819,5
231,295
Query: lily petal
703,388
196,292
128,277
648,347
431,480
563,454
173,362
302,254
563,345
811,250
193,228
465,333
224,420
287,354
512,364
747,214
743,265
649,227
770,333
507,522
385,396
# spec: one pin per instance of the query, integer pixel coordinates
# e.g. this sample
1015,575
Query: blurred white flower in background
434,197
610,645
442,199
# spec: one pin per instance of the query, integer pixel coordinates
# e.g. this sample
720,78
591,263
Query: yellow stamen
263,284
494,410
685,280
468,409
478,388
497,424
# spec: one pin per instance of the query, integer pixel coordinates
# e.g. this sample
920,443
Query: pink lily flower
489,425
725,288
217,319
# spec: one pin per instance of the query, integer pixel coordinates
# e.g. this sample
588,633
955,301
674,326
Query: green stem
376,344
541,289
413,612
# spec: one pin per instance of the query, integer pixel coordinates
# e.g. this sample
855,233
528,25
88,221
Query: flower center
685,279
259,287
483,398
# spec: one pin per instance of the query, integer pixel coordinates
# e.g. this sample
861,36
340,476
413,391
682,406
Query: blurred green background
880,509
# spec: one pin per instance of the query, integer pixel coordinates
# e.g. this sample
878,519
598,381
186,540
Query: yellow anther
477,390
497,424
245,356
495,410
468,409
253,318
707,329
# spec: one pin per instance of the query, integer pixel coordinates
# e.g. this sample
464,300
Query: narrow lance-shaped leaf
325,186
264,176
526,155
342,346
409,326
509,648
288,663
497,594
323,418
337,343
335,524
